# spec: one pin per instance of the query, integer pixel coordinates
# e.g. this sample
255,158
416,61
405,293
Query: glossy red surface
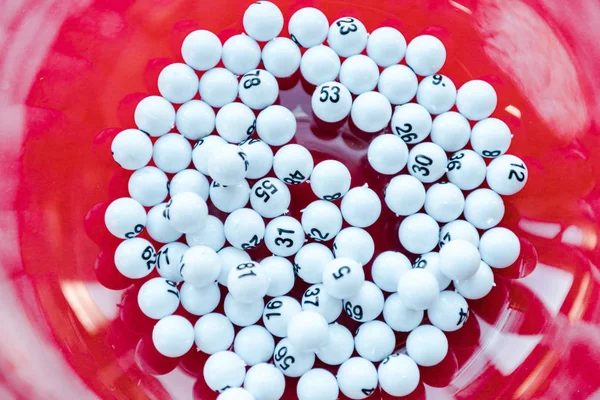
71,75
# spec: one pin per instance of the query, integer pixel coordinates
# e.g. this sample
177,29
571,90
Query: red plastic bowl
71,75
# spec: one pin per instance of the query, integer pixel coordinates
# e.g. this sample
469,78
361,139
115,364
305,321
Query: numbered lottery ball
173,336
241,54
135,258
200,266
398,375
281,57
158,298
195,119
330,180
244,228
200,301
427,345
359,74
212,234
331,102
491,137
466,169
506,175
339,347
361,207
254,344
281,275
224,370
366,305
320,64
451,131
398,316
436,93
229,165
425,55
387,269
354,243
270,197
278,313
260,157
321,220
125,218
263,21
187,212
265,381
450,312
459,229
158,226
293,164
204,149
476,100
418,289
258,89
357,378
276,125
419,233
235,394
404,195
307,331
387,154
218,87
317,383
375,340
479,285
459,259
177,83
310,262
229,198
308,27
371,112
499,247
230,257
316,298
172,153
243,314
343,278
168,260
427,162
201,50
347,36
235,122
213,333
411,122
431,263
248,282
484,208
155,116
444,202
284,236
132,149
386,46
291,361
398,84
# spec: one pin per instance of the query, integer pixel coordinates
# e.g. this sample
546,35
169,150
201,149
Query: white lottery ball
281,57
339,347
263,21
213,333
366,305
330,180
357,378
479,285
436,93
201,50
404,195
331,102
361,207
398,375
359,74
444,202
135,258
254,344
258,89
281,275
466,169
321,220
371,112
158,226
431,263
132,149
276,125
427,162
211,234
200,301
158,298
244,228
484,208
506,175
451,131
307,331
418,289
195,119
248,282
278,313
459,229
265,381
308,27
375,341
235,122
230,257
218,87
173,336
177,83
419,233
187,212
243,314
229,198
270,197
347,36
343,278
320,64
398,84
200,266
499,247
459,259
318,384
491,137
316,298
386,46
229,165
310,261
387,269
168,260
125,218
203,149
354,243
291,361
476,100
399,317
172,153
224,370
293,164
241,54
235,394
284,236
411,122
154,115
425,55
450,312
260,157
427,345
387,154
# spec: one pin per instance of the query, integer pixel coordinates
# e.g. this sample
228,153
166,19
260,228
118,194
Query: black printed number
406,134
346,26
488,153
518,175
149,256
174,291
343,271
279,241
295,178
368,392
255,81
354,312
423,162
284,361
244,266
437,79
332,197
317,234
265,190
252,243
311,293
454,161
445,239
420,263
273,305
331,93
243,157
136,231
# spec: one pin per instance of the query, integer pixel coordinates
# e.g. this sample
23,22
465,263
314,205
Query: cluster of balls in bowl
237,101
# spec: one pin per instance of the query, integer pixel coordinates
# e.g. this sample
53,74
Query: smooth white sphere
135,258
278,313
427,345
173,336
235,394
132,149
292,361
359,74
172,153
200,301
476,100
248,282
330,180
281,275
229,165
177,83
307,331
361,207
316,298
168,260
436,93
347,36
444,202
466,169
308,27
419,233
331,102
212,234
293,164
263,21
158,298
260,157
200,266
235,122
270,197
357,378
213,332
459,229
158,226
499,247
189,180
491,137
339,346
258,89
451,131
459,259
229,198
426,55
284,236
243,314
320,64
386,46
187,212
399,375
411,122
224,370
418,289
450,312
201,50
125,218
230,257
398,316
317,384
398,84
387,269
310,261
343,278
241,54
203,149
506,175
371,112
254,344
354,243
387,154
218,87
427,162
276,125
265,382
484,208
404,195
244,228
154,115
366,305
321,220
479,285
431,263
281,57
375,341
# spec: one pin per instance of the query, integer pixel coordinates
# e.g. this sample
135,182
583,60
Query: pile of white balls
190,274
